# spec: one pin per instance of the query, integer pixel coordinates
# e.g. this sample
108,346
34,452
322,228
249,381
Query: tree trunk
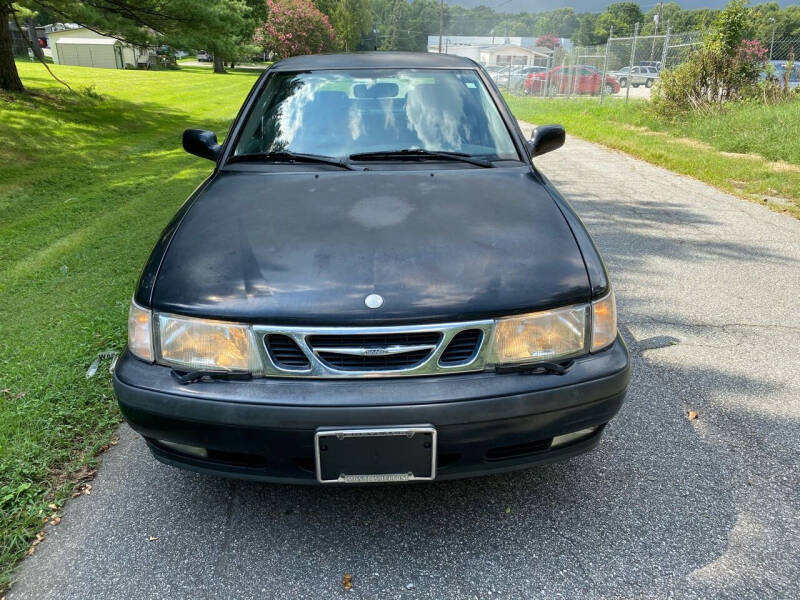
9,78
219,66
37,50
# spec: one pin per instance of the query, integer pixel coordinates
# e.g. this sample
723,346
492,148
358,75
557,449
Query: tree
511,27
586,31
9,78
562,22
352,21
294,27
406,25
215,25
622,16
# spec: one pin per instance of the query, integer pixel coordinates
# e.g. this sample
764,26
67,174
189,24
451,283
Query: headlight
604,322
541,336
201,345
140,332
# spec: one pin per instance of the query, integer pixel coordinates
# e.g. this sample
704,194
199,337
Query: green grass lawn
750,150
86,185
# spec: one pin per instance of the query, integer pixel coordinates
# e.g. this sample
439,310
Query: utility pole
605,64
772,43
441,24
630,69
656,20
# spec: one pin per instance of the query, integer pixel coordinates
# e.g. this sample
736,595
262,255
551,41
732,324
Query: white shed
85,48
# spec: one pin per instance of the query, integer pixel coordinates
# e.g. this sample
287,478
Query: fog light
568,438
184,449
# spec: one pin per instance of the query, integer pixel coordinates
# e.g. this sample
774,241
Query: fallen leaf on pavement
692,415
55,521
152,538
347,581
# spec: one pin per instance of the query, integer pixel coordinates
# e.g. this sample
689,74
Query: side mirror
546,139
201,143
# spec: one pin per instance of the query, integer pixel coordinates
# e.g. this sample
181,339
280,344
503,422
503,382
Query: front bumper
264,428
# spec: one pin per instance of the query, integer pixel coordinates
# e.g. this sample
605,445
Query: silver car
512,77
637,76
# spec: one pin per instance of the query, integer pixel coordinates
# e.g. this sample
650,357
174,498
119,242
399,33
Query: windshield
339,113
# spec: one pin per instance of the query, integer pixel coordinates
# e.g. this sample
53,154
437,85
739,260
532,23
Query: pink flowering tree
294,27
549,40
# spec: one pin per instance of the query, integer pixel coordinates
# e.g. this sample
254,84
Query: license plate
376,455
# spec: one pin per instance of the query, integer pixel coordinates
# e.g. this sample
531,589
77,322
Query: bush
294,27
725,68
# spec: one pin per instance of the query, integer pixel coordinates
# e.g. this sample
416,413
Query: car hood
308,248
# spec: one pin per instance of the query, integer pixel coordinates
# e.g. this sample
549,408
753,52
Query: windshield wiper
419,153
287,156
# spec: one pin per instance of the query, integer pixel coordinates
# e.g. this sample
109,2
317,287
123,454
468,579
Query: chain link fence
782,50
617,68
624,67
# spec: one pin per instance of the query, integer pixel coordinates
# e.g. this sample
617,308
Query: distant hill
596,6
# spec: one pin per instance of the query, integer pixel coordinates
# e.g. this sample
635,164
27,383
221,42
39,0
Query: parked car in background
636,76
512,77
203,56
577,79
776,70
656,64
405,300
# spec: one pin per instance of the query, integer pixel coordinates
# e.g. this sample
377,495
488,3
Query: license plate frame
332,445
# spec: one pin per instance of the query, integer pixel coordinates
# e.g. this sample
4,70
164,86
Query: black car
375,284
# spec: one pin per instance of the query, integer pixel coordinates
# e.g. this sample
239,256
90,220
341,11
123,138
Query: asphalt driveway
708,288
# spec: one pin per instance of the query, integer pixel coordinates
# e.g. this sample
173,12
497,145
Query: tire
610,89
623,82
648,83
635,85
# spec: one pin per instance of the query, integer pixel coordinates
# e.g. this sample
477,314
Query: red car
578,79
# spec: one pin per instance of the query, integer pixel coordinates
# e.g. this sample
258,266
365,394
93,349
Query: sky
515,6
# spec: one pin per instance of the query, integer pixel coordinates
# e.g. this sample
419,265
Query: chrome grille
374,351
328,352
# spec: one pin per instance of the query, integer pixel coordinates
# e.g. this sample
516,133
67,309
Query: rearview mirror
201,143
546,139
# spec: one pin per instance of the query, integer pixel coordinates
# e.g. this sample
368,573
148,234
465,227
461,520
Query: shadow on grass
64,123
61,153
246,71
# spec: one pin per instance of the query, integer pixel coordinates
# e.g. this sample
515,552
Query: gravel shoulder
708,288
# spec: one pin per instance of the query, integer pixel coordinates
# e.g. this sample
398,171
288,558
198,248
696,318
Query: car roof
374,60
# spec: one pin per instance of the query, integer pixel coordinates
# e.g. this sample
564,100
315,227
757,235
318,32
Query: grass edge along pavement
87,183
751,150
